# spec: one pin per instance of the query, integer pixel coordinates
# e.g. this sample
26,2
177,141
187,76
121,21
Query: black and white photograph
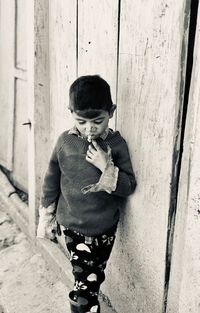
99,156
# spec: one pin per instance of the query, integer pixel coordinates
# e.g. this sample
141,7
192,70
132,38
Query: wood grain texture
38,102
20,166
150,90
7,13
62,56
184,288
97,41
20,146
21,33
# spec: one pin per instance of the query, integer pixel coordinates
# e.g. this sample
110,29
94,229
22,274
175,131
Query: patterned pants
88,256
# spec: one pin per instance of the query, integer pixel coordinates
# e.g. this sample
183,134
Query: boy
87,182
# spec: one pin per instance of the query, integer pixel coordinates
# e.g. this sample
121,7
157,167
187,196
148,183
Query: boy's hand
97,156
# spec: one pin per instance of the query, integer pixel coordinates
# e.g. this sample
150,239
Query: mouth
90,137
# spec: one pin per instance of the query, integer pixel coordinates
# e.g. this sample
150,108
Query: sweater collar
75,131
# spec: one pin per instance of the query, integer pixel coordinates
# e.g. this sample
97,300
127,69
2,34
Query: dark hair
90,92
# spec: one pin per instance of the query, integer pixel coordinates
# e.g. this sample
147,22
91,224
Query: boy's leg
89,261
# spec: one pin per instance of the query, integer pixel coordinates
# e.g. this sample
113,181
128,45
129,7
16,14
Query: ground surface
27,284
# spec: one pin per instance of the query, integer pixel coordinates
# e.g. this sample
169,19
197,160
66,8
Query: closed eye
98,121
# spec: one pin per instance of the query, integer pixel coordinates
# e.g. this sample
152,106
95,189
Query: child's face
92,127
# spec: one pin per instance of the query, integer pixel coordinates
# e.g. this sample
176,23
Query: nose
90,127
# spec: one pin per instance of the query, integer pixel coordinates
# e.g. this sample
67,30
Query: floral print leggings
88,256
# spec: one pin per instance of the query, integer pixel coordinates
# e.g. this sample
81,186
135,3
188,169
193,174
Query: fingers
95,145
109,151
89,154
91,149
94,149
89,159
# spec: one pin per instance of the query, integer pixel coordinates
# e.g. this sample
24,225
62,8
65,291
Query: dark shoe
74,307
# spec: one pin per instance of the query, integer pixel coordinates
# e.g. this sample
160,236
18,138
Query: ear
112,110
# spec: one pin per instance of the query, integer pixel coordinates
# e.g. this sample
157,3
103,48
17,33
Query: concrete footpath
28,282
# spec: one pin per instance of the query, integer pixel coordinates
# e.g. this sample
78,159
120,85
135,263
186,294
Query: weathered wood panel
21,34
38,102
184,288
62,56
151,65
20,153
20,145
7,13
13,101
62,59
97,40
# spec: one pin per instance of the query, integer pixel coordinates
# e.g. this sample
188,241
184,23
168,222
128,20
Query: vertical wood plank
7,24
62,56
151,83
184,287
21,33
97,40
38,101
20,151
62,64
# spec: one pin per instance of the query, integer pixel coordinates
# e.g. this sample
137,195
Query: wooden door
7,14
14,107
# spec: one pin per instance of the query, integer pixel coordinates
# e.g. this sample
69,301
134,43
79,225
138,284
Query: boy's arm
126,182
51,184
47,226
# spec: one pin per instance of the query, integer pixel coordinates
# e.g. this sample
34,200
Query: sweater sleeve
51,184
126,182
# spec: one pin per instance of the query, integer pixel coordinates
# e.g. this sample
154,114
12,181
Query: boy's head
90,92
91,104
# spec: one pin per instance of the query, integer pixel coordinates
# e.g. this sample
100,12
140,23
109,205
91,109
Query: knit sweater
68,173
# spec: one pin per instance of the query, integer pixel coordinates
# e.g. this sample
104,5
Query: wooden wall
151,67
97,41
62,62
6,82
13,87
184,291
79,46
130,44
